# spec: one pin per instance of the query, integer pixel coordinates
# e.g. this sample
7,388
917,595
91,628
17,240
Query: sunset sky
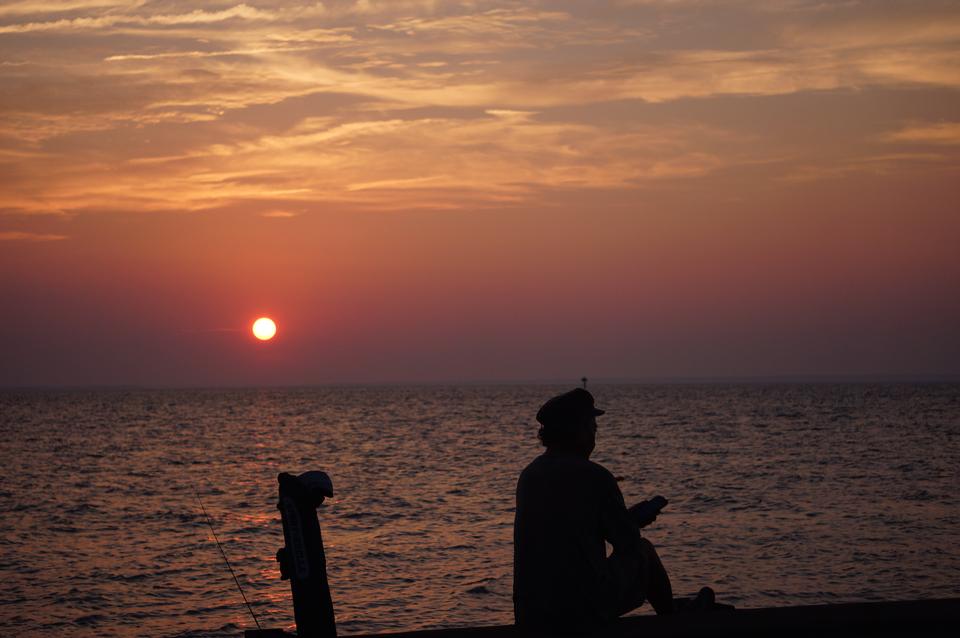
421,191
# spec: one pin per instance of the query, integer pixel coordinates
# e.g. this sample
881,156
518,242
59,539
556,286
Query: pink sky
455,191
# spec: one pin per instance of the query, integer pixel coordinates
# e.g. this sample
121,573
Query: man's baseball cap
567,408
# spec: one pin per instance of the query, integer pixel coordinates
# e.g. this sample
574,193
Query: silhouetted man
567,508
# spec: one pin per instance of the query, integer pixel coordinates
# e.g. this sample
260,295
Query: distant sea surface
779,495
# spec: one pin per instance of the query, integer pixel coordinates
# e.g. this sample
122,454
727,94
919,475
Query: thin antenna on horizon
227,561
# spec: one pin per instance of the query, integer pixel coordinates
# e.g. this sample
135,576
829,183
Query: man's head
569,422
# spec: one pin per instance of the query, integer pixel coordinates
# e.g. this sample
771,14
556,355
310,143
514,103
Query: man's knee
646,547
650,559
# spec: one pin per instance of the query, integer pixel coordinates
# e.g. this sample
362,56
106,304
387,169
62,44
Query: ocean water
779,495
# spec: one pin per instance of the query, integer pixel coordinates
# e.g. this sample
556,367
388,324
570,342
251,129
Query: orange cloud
939,133
27,236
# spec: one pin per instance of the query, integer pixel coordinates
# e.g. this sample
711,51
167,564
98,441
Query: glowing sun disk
264,328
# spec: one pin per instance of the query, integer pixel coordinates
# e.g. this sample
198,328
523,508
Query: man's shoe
705,600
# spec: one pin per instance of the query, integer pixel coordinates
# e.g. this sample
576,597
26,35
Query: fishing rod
227,561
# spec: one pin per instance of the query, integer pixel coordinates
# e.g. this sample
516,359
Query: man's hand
641,514
646,512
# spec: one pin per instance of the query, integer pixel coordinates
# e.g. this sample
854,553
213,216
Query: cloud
917,26
940,133
196,17
204,54
504,24
29,237
37,7
401,161
413,182
151,106
881,164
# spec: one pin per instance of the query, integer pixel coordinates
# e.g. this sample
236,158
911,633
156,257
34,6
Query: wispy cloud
206,54
195,17
47,7
29,237
939,133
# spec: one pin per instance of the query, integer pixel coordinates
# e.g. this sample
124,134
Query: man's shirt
567,507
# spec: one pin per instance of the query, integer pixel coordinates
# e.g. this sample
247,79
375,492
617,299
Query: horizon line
786,379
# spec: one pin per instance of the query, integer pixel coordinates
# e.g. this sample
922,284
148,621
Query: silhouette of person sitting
568,507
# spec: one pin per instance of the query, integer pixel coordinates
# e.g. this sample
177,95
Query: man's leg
643,580
653,584
659,589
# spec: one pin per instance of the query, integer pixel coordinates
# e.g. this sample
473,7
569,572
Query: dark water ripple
779,495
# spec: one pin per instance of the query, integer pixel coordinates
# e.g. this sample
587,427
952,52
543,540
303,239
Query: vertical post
302,559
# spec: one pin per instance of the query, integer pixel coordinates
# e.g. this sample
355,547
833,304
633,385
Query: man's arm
618,527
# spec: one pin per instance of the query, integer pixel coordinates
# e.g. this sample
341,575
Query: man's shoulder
601,474
548,463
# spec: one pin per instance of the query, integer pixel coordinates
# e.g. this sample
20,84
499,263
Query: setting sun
264,328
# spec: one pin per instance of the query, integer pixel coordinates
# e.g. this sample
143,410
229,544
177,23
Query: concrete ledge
940,617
